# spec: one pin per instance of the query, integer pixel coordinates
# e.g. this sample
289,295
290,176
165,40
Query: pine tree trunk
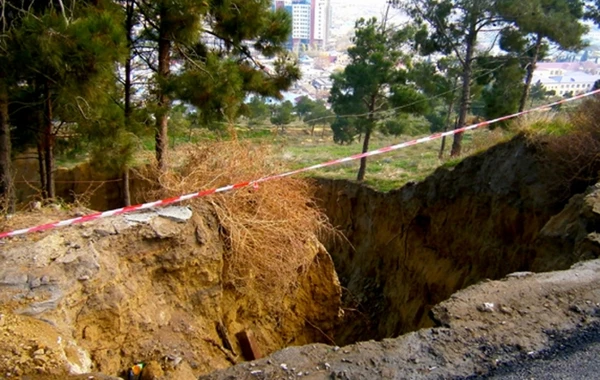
126,190
6,186
128,72
446,125
530,71
164,56
363,161
125,174
465,101
49,146
41,169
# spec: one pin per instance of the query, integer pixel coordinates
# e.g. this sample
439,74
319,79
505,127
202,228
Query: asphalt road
574,357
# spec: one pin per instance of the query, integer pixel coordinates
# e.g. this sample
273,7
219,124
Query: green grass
295,148
386,171
452,162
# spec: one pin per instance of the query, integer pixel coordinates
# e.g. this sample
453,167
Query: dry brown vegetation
270,231
569,143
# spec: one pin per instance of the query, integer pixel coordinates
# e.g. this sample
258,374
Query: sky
346,12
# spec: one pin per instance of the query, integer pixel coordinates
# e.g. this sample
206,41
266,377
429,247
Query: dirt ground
479,328
101,297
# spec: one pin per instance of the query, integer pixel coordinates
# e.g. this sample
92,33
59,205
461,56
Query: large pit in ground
409,249
156,291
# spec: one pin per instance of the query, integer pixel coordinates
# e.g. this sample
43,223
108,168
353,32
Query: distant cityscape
322,31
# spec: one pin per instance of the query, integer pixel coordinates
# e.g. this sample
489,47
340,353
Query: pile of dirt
146,287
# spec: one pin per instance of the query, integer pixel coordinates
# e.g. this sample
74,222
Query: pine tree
5,146
66,55
215,44
502,86
257,110
282,114
374,83
543,21
439,82
453,27
130,12
9,20
318,115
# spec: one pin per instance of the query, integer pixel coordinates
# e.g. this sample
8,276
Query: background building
567,77
311,22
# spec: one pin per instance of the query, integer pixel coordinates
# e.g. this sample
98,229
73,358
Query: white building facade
311,21
566,78
301,22
321,23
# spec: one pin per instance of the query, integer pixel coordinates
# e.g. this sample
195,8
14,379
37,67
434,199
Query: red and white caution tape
164,202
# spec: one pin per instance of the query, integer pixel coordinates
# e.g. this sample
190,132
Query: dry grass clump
544,123
270,231
574,156
483,140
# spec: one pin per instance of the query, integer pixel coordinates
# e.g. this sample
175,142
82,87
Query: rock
104,232
68,258
486,307
13,278
175,213
38,352
140,217
519,274
200,236
43,306
35,283
133,293
166,228
175,360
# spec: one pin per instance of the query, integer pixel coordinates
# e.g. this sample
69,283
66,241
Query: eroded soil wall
411,248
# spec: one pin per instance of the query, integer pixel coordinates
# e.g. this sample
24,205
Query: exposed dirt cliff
409,252
485,326
146,287
409,249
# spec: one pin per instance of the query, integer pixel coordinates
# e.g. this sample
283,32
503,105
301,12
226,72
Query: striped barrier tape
255,183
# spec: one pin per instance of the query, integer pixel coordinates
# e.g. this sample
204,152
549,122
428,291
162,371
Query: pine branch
241,48
193,62
442,29
151,66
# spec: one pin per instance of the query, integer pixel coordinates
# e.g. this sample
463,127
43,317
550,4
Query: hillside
200,287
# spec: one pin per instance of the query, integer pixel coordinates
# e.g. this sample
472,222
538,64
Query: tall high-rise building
321,22
311,21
